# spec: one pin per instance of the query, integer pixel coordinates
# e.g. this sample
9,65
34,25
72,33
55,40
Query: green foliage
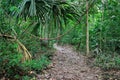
28,78
52,15
105,32
72,38
37,65
53,18
104,22
108,61
9,59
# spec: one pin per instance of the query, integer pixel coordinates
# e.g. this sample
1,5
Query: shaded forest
30,28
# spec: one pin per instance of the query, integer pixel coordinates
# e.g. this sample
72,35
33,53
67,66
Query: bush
11,66
10,59
108,61
36,65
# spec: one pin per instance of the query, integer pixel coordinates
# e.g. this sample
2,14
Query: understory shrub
36,65
11,66
108,61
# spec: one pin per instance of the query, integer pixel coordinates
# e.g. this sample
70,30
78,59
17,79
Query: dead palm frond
21,48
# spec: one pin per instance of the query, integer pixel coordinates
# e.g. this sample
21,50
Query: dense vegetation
29,28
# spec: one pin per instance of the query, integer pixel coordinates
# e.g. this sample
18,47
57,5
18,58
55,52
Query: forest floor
67,64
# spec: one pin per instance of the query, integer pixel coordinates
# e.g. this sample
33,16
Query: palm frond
32,9
47,12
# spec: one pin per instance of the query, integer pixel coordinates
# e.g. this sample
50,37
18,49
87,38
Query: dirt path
68,65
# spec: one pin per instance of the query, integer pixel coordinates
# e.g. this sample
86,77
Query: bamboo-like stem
87,30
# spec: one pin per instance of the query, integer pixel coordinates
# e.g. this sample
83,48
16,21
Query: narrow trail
69,65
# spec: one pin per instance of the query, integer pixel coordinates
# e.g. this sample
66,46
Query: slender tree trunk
87,30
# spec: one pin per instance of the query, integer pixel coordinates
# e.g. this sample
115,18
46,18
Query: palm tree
50,15
53,14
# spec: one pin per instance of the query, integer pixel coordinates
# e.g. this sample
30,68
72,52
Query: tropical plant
52,15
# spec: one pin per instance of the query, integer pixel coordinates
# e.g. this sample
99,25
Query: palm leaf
48,12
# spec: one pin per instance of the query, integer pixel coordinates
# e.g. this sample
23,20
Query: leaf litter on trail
67,65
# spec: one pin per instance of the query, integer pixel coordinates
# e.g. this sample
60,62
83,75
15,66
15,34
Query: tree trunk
87,30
